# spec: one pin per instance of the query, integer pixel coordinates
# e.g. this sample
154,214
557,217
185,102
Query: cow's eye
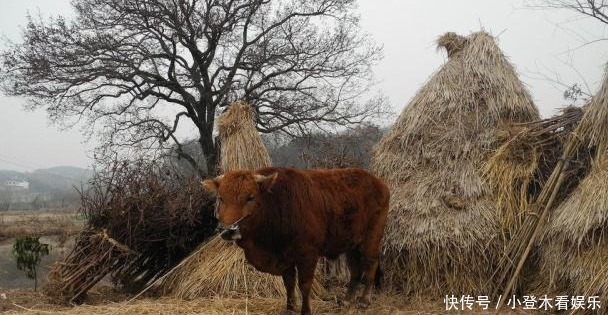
249,198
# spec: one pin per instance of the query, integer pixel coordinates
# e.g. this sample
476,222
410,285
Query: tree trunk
211,152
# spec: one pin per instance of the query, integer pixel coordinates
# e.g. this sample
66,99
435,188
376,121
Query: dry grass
581,219
444,231
219,268
49,223
242,147
574,248
522,164
524,171
594,125
382,304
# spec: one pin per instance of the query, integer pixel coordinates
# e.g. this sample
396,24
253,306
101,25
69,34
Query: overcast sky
540,43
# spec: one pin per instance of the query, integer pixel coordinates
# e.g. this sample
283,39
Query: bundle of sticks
143,219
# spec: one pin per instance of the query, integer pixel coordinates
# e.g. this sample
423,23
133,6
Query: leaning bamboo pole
533,226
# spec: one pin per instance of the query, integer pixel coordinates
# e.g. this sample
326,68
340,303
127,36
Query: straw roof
443,228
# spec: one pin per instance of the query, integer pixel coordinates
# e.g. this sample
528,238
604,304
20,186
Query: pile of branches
143,219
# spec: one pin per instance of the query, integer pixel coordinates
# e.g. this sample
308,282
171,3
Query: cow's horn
259,178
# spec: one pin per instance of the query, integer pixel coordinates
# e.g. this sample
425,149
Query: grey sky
536,41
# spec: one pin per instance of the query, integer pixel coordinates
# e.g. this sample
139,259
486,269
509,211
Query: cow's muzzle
229,233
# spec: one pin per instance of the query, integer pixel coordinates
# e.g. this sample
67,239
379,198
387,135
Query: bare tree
597,9
582,92
140,70
349,148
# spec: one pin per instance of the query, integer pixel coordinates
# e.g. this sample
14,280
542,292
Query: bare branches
597,9
130,65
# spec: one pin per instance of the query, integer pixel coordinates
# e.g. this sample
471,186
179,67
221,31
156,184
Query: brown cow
285,219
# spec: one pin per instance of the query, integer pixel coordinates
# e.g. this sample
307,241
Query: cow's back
356,201
329,209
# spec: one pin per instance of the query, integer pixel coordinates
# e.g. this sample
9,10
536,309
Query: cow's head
238,196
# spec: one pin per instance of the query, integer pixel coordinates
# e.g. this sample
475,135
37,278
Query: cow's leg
354,266
289,279
370,253
306,274
370,265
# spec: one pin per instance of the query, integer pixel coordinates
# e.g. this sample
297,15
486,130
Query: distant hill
8,175
60,178
68,172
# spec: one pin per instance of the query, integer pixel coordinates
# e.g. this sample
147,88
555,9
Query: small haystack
574,249
219,267
444,231
242,147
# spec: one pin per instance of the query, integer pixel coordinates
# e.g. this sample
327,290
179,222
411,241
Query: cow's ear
212,185
266,182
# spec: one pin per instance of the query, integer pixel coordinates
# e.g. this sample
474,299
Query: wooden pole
554,187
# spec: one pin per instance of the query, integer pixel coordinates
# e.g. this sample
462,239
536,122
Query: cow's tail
379,278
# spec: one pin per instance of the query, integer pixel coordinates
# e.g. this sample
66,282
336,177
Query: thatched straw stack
525,172
219,267
574,249
242,147
522,164
444,229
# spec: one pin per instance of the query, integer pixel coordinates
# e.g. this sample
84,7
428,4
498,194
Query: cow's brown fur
292,217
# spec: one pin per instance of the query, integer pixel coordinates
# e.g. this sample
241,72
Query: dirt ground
105,301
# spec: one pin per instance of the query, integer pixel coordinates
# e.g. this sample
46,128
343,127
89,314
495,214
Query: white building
17,184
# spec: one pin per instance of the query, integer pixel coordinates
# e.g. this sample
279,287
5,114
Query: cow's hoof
363,303
344,302
289,312
327,297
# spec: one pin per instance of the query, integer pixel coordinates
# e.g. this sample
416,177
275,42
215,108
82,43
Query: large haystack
219,267
444,229
574,250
